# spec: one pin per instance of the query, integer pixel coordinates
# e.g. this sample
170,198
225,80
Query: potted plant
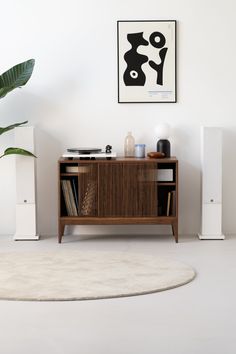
13,78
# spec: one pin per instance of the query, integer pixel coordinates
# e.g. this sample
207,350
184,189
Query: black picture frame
147,74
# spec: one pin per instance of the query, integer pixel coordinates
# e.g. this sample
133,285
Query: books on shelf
75,195
173,203
70,197
168,204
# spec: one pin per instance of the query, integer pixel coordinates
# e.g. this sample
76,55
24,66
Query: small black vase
163,145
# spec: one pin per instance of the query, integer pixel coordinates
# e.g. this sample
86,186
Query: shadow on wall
229,178
187,148
48,150
189,198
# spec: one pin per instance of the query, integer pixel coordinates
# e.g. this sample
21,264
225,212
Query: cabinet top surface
121,160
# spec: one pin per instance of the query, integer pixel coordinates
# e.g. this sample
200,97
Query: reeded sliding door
127,190
139,190
110,189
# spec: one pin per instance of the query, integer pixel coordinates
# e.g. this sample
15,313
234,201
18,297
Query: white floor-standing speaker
25,186
211,158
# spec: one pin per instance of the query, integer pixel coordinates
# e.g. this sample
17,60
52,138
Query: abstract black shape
134,75
162,53
160,43
159,67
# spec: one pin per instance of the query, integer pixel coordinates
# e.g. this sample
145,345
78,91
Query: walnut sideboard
118,191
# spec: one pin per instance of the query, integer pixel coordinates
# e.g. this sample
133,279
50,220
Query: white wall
71,98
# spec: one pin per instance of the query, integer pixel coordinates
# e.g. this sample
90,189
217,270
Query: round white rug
81,275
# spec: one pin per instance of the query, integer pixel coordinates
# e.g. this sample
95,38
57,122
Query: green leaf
10,127
15,77
17,151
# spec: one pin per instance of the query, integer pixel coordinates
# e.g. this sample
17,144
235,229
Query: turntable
89,153
86,151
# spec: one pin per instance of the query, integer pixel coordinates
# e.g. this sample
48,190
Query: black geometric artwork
134,75
146,53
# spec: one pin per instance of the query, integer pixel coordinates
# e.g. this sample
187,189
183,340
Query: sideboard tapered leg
175,230
60,231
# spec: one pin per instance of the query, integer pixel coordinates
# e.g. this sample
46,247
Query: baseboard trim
26,237
211,237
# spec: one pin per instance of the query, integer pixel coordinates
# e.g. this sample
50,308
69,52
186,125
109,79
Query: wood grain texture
139,197
123,193
110,181
73,220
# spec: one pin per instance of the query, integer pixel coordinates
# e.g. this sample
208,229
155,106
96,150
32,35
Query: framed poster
146,61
